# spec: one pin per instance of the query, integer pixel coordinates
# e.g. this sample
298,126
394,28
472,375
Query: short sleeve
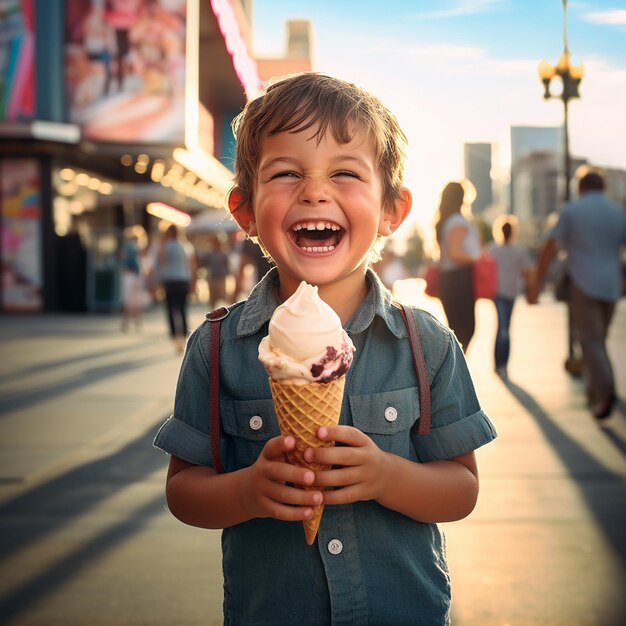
458,424
186,433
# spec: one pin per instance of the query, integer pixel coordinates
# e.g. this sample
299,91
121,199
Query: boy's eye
285,174
346,173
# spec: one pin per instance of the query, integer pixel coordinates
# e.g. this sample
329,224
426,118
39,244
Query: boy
319,170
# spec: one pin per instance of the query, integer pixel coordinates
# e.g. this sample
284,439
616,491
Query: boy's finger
285,473
277,446
341,477
343,434
284,494
335,455
287,513
347,495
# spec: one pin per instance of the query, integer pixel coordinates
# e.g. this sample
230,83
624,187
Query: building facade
478,171
298,52
526,140
109,107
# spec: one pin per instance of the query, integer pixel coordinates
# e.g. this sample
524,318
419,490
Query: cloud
613,17
443,52
459,8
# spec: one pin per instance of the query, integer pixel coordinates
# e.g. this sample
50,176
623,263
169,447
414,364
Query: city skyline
466,71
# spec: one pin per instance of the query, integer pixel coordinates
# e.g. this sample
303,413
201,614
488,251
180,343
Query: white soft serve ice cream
306,342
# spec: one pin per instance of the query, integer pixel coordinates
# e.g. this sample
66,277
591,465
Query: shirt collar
263,299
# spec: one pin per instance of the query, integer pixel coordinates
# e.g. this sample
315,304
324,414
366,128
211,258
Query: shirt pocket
387,418
249,424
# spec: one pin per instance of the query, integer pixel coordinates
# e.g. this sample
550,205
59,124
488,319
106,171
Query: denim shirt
369,564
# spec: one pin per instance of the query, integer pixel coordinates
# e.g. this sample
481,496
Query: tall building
478,171
297,57
535,192
526,140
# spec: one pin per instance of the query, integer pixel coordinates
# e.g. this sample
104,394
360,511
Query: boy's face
317,208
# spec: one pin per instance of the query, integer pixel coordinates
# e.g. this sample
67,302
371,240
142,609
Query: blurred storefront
107,106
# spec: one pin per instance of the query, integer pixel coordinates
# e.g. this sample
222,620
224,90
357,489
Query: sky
456,71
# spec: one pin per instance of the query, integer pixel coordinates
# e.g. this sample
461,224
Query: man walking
592,230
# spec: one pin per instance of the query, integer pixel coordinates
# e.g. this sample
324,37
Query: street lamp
570,76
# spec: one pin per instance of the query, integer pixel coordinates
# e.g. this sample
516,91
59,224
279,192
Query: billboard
20,213
17,60
125,69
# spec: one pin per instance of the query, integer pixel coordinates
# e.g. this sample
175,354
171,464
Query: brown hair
295,103
504,228
451,202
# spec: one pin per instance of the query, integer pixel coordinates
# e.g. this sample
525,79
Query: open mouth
317,236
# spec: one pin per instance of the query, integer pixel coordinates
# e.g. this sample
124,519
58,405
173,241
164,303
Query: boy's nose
314,190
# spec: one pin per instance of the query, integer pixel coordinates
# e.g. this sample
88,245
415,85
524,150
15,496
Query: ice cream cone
301,410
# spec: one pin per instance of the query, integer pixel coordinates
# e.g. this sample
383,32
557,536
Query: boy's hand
265,492
362,474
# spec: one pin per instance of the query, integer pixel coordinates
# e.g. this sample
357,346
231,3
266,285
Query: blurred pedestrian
459,246
132,281
514,272
217,264
253,265
592,230
176,266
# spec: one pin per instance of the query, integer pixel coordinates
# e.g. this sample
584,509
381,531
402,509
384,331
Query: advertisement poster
17,60
20,212
125,69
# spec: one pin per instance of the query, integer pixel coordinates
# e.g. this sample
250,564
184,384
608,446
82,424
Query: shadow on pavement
33,516
615,439
68,566
597,484
86,377
51,365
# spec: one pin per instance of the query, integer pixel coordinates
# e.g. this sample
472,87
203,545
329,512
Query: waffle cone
301,410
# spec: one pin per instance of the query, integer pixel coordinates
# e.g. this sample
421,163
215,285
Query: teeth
319,249
316,226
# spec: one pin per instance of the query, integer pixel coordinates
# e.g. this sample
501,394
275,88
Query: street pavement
85,538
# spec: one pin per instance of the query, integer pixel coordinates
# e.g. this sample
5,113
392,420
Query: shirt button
335,546
391,414
256,422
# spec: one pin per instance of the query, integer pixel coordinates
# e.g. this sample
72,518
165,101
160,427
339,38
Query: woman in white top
514,268
459,246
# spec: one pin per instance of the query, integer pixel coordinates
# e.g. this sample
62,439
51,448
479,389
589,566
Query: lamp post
570,76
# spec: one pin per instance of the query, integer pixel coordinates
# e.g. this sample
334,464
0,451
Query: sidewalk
545,546
74,387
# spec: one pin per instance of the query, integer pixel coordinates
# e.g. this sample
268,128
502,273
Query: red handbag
432,281
485,276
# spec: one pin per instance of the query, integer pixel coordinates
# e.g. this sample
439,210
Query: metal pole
566,157
571,364
565,25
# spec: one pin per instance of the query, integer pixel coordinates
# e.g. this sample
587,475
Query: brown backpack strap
215,317
420,367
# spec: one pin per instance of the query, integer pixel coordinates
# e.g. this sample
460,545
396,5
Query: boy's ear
393,217
243,214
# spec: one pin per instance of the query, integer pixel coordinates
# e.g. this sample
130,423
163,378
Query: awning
212,221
